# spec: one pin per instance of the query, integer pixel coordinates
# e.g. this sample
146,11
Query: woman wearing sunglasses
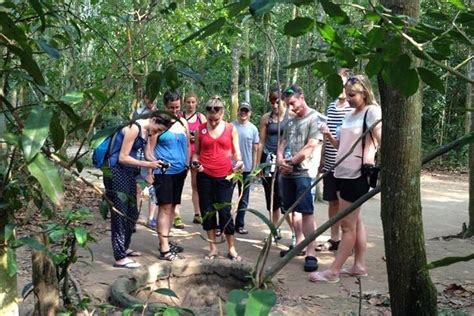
351,184
216,146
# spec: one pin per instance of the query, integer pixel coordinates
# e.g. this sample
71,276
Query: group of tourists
293,144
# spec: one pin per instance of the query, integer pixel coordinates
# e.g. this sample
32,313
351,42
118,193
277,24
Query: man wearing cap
248,143
298,156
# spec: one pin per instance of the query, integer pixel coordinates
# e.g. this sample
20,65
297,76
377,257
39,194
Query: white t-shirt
350,130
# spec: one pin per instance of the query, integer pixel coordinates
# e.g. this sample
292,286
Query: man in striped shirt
335,113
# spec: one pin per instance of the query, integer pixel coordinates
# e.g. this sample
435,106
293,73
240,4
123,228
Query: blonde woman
216,146
351,184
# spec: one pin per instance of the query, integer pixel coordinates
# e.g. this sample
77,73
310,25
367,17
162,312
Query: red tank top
193,127
216,154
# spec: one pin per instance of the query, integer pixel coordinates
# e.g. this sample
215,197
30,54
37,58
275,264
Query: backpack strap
114,137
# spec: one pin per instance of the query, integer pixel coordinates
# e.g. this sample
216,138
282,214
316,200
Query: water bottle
152,193
287,153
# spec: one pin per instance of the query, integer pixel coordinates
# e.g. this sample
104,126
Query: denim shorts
291,189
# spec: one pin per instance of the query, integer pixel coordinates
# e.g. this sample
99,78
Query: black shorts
168,187
352,189
329,188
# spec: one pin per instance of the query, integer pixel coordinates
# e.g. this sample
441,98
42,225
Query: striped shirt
335,117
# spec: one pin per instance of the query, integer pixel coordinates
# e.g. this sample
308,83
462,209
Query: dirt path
445,202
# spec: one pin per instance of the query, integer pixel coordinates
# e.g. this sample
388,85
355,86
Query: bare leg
152,208
360,249
309,226
332,211
211,235
298,226
231,245
195,195
163,227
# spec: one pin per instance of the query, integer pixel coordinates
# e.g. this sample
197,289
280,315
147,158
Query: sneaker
151,223
197,219
178,222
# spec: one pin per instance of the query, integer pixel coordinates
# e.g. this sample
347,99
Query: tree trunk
247,65
290,52
411,289
469,94
45,282
8,302
235,80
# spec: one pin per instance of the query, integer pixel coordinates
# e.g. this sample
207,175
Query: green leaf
36,4
237,7
448,261
188,72
32,243
97,93
323,69
12,31
11,139
66,108
301,63
51,51
59,258
171,311
392,49
458,4
206,31
376,37
166,291
431,79
48,177
36,131
28,64
73,97
79,166
442,47
153,84
334,85
335,12
260,303
261,7
407,82
56,234
9,231
11,262
372,16
57,132
235,305
171,76
299,26
122,196
99,137
104,209
329,35
374,66
81,235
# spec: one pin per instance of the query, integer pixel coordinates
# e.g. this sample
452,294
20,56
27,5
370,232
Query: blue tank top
138,144
172,148
271,142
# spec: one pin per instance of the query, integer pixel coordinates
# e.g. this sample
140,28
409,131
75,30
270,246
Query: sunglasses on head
288,92
214,109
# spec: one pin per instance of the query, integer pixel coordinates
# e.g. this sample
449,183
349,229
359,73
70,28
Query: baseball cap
245,105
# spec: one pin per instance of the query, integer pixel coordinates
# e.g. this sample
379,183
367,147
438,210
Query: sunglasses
214,109
288,92
244,110
163,121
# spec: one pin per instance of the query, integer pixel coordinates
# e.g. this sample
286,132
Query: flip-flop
321,277
211,257
348,272
128,265
132,253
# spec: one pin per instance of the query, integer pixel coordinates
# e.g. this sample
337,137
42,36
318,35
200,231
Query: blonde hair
363,82
191,95
215,101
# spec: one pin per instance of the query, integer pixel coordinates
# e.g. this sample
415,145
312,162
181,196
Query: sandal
174,247
242,231
351,273
133,253
127,265
310,264
330,245
322,277
168,256
211,257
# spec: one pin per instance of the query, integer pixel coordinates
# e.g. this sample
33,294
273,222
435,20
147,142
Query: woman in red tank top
216,146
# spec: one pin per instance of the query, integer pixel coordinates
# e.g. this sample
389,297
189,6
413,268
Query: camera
195,164
372,174
191,133
165,166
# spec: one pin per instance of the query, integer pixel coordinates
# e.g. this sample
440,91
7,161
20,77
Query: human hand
324,129
239,166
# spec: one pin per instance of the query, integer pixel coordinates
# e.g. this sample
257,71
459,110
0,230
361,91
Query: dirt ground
445,203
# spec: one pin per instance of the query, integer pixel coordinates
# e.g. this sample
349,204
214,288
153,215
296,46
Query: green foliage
48,177
299,26
447,261
257,302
